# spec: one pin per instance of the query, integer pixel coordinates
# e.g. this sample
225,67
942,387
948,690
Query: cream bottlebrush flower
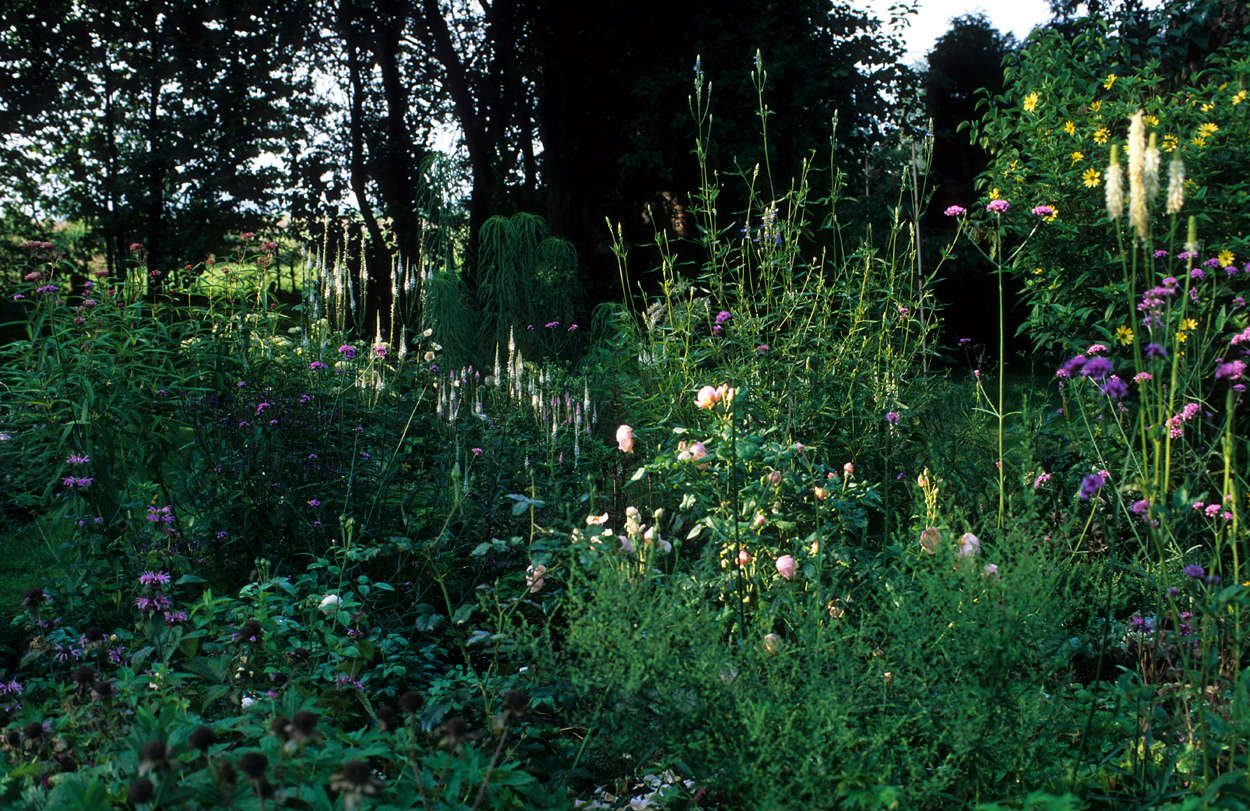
1176,185
1137,175
1152,169
1115,185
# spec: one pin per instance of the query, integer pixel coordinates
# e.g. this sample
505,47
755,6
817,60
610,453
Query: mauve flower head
956,211
1096,349
762,349
1155,351
1194,570
998,206
347,351
1043,211
786,567
1090,485
1071,367
1096,368
723,316
1231,370
1114,387
1197,273
891,417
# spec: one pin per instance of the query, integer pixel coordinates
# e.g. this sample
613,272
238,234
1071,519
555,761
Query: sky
1017,16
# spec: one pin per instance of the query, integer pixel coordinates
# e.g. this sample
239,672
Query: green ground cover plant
742,546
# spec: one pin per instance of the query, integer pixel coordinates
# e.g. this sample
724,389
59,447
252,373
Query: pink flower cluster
1176,423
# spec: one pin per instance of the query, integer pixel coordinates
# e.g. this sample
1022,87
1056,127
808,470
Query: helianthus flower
1226,257
1091,177
1152,120
1109,81
1030,102
1125,334
1077,157
1199,141
1069,127
1240,97
1207,129
1095,106
1169,143
1101,134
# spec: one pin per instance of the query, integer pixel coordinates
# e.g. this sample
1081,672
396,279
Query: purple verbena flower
998,206
1194,570
1090,485
956,211
1096,368
1044,211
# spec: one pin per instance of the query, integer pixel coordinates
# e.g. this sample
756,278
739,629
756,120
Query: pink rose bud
848,468
786,567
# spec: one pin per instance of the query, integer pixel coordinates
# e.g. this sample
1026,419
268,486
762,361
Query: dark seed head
141,791
84,678
516,701
154,752
202,738
455,732
305,722
33,731
357,772
226,773
13,738
280,727
103,690
34,596
95,635
385,713
251,632
411,701
253,764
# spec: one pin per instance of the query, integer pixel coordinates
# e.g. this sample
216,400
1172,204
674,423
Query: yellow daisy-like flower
1181,336
1152,120
1199,141
1207,129
1077,157
1101,135
1030,102
1091,178
1069,127
1095,106
1226,257
1239,97
1110,81
1206,107
1169,143
1189,324
1125,334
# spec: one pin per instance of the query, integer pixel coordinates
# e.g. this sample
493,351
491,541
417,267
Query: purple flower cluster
1090,486
956,211
1155,300
998,206
348,351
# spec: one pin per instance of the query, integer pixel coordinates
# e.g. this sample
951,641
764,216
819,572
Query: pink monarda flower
930,539
707,397
969,545
625,439
786,567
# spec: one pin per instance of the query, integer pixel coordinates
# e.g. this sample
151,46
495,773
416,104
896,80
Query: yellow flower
1181,336
1101,134
1152,120
1239,98
1069,127
1226,257
1206,108
1030,102
1169,143
1091,178
1189,323
1077,157
1110,81
1208,129
1054,213
1199,141
1125,334
1095,106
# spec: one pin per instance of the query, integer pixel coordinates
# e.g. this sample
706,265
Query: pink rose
625,439
707,397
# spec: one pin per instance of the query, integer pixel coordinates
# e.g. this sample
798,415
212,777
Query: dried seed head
280,728
141,791
203,737
13,738
226,773
304,724
33,731
251,633
84,678
515,701
357,772
385,713
411,701
102,691
154,752
253,765
455,732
